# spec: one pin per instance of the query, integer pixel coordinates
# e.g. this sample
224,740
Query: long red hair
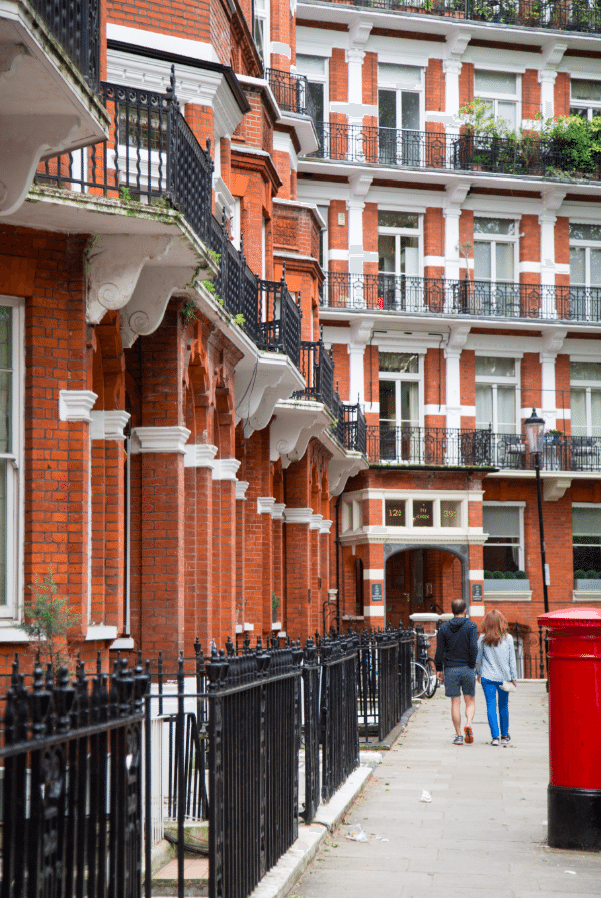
494,628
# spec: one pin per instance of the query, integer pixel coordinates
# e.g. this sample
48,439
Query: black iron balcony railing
455,447
76,26
441,296
562,15
291,92
367,144
317,367
355,428
280,319
151,156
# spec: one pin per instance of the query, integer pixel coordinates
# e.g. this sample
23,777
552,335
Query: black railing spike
284,272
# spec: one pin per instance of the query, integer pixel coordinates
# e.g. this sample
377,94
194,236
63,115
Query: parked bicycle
424,681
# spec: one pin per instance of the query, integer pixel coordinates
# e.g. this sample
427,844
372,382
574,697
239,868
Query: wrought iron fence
461,447
280,319
76,26
151,156
561,15
340,731
532,156
443,296
354,428
291,92
317,367
72,754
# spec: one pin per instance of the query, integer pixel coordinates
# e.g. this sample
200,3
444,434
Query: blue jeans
491,690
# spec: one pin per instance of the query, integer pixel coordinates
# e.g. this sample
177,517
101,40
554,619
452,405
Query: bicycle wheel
419,680
432,678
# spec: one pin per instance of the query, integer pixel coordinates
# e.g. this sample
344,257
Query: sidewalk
483,833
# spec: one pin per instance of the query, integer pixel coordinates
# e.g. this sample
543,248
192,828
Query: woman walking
495,667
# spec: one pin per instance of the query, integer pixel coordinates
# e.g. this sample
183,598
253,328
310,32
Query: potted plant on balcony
552,436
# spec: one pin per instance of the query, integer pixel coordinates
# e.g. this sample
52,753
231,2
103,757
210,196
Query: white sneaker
494,741
505,740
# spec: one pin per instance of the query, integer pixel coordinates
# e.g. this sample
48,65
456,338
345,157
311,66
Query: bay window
11,416
496,394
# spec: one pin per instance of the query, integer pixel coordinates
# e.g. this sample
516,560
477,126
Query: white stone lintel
162,439
373,611
108,425
76,405
97,632
199,455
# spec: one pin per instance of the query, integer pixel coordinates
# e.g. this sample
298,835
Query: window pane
450,513
310,65
586,521
501,521
388,401
577,265
423,513
585,232
494,226
6,339
409,414
585,371
504,261
495,82
386,244
494,366
595,268
578,412
6,380
595,413
507,112
483,406
410,111
482,263
506,409
387,108
3,531
409,256
405,362
390,73
316,90
394,513
397,220
585,90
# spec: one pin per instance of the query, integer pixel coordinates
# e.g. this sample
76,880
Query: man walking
456,651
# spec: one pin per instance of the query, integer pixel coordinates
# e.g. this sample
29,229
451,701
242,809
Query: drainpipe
338,563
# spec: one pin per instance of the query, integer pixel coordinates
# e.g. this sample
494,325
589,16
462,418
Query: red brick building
278,380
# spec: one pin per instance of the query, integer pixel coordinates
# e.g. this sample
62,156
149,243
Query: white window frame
317,78
400,377
582,104
261,14
520,506
586,244
495,97
397,233
588,388
401,85
496,380
14,485
499,238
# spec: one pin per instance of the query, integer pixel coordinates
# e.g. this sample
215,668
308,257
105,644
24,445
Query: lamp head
534,427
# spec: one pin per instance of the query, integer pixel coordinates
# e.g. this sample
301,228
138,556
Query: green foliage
510,575
275,602
239,319
498,575
579,574
488,575
592,575
125,194
521,575
48,619
189,311
210,286
216,257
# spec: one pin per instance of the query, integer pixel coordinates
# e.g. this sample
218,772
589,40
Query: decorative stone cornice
225,468
265,504
199,455
325,527
315,523
277,512
160,440
241,487
108,425
76,405
298,515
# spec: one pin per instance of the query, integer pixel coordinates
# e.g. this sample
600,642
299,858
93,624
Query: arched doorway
423,578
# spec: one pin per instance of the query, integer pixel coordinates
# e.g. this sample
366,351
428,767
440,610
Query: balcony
354,428
454,447
291,92
563,15
441,296
280,320
532,157
49,66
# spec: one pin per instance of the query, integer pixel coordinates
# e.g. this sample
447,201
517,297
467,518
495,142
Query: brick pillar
374,608
162,438
198,463
298,561
476,562
224,548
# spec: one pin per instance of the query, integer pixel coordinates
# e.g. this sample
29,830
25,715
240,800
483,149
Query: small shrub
521,575
488,575
510,575
498,575
579,574
48,619
592,575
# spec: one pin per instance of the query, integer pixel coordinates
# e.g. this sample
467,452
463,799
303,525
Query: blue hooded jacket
457,644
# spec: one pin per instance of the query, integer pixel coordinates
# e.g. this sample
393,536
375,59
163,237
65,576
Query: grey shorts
458,679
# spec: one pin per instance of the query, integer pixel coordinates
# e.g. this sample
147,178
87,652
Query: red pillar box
574,793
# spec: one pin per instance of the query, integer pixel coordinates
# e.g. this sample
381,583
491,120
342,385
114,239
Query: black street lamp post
534,432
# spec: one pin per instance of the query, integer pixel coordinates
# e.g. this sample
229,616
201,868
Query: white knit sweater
497,662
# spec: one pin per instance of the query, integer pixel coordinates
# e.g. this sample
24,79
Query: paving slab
483,833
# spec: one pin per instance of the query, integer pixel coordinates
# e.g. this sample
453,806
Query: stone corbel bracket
144,311
24,139
113,268
261,383
340,469
295,423
554,488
